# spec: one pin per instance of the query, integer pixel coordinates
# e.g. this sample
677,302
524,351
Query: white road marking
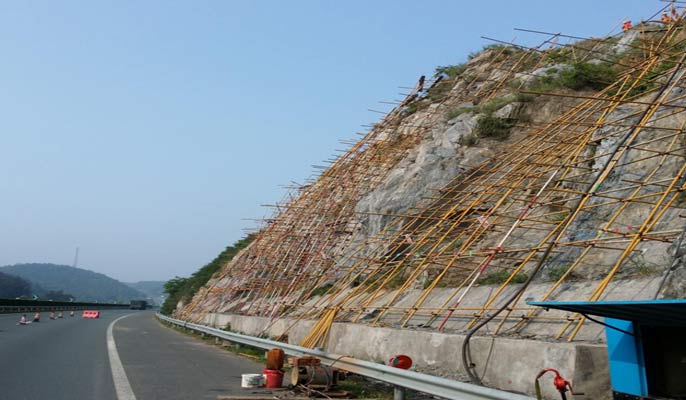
121,382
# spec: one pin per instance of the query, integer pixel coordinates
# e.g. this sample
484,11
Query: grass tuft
489,126
501,277
456,112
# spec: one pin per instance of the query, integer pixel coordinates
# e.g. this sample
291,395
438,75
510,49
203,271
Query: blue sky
147,132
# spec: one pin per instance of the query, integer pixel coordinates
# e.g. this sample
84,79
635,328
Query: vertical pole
76,257
398,393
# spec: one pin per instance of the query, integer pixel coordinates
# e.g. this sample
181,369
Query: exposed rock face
673,282
518,177
429,166
457,195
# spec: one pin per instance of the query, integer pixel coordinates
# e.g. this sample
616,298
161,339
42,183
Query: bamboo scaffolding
497,218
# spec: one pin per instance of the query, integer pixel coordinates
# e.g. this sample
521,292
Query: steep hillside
13,286
181,290
547,173
85,285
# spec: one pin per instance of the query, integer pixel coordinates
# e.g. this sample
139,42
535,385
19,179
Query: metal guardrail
22,306
430,384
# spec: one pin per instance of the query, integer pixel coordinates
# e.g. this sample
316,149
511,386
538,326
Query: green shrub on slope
494,127
185,288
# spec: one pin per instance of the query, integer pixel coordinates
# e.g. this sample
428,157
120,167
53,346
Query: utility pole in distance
76,257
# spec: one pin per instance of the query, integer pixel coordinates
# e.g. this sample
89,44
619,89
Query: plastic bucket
274,378
251,380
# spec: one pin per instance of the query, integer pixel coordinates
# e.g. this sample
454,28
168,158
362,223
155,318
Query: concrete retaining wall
504,363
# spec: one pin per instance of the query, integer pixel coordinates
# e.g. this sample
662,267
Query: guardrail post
398,393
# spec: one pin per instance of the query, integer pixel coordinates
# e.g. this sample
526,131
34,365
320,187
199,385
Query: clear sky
146,132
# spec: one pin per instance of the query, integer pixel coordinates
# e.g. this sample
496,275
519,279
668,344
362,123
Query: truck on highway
138,305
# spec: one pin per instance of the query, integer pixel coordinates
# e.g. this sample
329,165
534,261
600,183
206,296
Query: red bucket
274,378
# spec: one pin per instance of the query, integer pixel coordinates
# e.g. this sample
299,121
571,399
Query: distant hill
85,285
152,289
13,286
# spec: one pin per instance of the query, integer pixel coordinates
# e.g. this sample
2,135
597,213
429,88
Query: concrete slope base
504,363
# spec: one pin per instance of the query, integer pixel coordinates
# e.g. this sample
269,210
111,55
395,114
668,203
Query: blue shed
646,345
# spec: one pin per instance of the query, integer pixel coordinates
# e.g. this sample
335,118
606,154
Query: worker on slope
36,317
626,25
420,84
666,19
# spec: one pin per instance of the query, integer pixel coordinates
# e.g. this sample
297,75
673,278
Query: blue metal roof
644,312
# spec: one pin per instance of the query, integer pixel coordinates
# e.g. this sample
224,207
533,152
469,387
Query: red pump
561,384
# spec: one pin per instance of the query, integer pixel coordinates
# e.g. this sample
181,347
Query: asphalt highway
68,359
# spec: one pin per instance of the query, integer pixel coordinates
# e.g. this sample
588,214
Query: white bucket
251,380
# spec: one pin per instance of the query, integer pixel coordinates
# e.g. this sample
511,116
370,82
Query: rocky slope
525,174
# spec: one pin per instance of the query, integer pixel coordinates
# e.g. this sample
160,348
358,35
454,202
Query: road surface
68,359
